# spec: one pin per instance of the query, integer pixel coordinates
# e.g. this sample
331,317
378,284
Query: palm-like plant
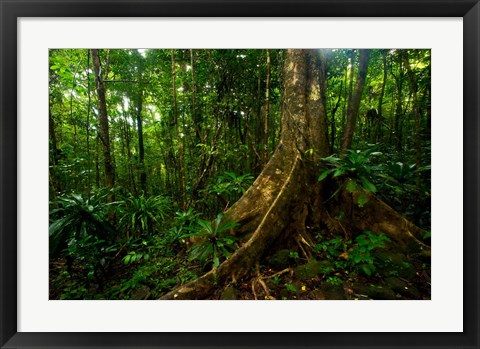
229,187
141,215
357,168
76,217
216,241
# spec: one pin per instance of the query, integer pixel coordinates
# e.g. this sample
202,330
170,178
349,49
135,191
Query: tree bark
267,110
354,105
399,79
55,154
416,108
196,124
380,98
141,147
332,122
89,109
128,151
177,132
103,128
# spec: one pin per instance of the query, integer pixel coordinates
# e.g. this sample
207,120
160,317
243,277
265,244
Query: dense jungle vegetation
239,174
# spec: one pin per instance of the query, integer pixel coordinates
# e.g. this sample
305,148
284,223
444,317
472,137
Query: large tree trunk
275,210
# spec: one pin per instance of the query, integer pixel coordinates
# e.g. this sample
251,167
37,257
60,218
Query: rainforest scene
239,174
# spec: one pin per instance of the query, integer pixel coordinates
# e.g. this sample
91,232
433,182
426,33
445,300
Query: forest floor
284,275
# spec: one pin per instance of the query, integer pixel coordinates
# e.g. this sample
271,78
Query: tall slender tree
416,114
399,77
380,98
103,125
177,132
141,146
267,110
354,105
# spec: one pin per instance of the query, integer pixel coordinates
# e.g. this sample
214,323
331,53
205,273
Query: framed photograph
239,174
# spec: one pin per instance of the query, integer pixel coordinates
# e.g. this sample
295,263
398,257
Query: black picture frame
11,10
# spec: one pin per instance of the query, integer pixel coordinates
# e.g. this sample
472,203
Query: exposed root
308,255
336,222
288,270
264,286
274,222
253,289
259,280
377,217
249,210
284,218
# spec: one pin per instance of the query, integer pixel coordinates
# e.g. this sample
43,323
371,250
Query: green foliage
158,269
291,288
361,255
186,218
157,276
216,242
294,255
332,248
144,215
80,231
349,256
134,257
228,187
334,280
74,290
357,168
234,183
400,172
184,222
76,219
218,126
276,279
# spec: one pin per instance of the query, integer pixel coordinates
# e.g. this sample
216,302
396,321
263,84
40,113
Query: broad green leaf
205,225
225,252
325,174
356,258
216,261
351,186
331,159
368,185
366,269
339,172
58,225
218,220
